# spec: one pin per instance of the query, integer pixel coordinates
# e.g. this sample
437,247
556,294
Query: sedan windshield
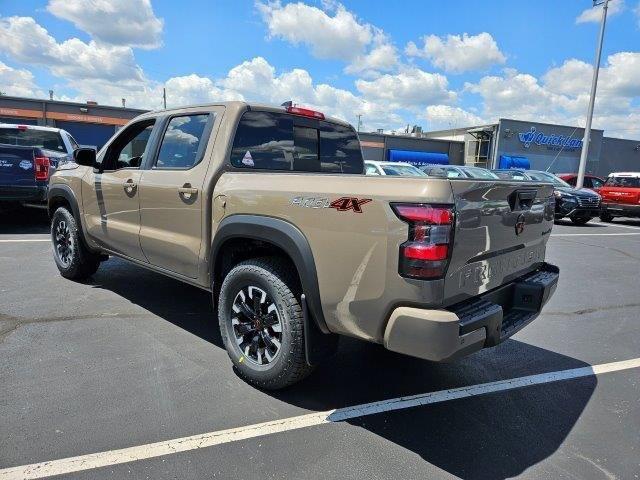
403,170
547,177
477,172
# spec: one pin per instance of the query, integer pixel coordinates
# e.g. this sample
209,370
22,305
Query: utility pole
592,98
164,97
359,121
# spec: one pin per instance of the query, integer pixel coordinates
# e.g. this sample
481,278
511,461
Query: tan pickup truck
269,209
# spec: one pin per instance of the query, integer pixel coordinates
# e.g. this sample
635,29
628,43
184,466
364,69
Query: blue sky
436,64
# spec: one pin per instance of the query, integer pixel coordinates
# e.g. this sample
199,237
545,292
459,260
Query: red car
590,181
620,196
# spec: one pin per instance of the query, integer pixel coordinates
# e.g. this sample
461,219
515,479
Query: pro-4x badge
344,204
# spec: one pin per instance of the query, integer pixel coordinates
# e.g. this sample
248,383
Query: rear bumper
485,321
622,209
30,193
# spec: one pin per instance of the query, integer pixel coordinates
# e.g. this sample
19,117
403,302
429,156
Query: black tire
73,259
278,281
606,217
580,220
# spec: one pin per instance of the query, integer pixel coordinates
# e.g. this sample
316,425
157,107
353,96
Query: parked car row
618,196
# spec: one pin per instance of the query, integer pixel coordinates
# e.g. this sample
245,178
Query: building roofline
71,104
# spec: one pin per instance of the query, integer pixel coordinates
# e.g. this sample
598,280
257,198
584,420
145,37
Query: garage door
88,133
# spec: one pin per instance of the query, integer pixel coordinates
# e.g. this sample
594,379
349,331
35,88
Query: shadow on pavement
492,436
24,220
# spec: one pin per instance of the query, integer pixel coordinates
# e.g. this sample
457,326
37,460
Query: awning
418,158
508,161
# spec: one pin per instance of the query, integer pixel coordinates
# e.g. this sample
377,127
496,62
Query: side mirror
85,157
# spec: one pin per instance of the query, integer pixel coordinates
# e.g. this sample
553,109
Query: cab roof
249,106
30,127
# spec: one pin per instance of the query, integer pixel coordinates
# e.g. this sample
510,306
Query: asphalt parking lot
131,358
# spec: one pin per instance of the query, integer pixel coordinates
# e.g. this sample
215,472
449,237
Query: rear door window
280,141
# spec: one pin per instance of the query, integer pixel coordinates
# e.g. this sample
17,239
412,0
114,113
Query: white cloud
331,33
383,58
340,36
594,14
257,80
440,117
457,53
562,95
28,42
618,83
408,89
17,82
130,23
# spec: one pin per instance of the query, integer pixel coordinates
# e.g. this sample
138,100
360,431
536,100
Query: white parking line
593,234
617,225
24,240
168,447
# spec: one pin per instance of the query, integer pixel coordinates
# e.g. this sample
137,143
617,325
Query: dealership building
89,123
541,146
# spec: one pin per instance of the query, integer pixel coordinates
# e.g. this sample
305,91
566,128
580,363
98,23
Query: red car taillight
41,168
425,254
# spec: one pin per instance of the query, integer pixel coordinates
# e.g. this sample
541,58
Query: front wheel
606,217
580,220
261,323
72,258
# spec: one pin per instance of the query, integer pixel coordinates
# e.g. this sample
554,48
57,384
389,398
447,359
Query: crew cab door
171,191
111,200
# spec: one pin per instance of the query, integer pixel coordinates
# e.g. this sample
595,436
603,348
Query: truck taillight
41,168
425,254
305,112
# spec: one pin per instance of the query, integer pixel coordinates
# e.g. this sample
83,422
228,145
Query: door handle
129,186
187,192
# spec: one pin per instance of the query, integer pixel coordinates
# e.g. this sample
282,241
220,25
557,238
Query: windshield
477,172
32,138
547,177
628,182
403,170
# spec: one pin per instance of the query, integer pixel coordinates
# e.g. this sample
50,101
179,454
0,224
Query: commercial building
89,123
541,146
413,149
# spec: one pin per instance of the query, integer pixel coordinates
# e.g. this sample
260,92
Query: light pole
594,84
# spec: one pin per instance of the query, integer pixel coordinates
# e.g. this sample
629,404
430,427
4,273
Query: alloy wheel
257,326
63,243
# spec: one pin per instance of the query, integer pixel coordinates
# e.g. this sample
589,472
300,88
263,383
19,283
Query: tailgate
501,232
16,166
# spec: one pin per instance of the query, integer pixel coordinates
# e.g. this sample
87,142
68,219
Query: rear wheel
261,323
580,220
73,259
606,217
